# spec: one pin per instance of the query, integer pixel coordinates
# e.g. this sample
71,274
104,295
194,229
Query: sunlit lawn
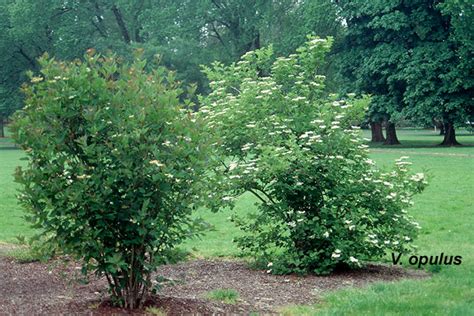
445,211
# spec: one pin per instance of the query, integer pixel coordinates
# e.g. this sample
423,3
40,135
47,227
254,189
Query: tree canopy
413,57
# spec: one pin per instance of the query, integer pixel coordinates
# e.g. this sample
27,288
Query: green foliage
323,204
187,33
116,164
413,57
228,296
355,115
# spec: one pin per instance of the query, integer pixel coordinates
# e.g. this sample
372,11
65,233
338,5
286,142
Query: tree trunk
2,127
391,134
441,129
449,136
377,133
121,24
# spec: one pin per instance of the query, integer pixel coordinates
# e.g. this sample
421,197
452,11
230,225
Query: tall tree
439,70
371,53
413,57
186,33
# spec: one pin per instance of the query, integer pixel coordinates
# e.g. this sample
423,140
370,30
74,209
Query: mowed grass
445,211
12,223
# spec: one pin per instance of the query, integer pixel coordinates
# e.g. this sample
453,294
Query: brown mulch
55,288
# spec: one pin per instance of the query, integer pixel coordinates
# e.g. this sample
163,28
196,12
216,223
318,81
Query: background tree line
413,57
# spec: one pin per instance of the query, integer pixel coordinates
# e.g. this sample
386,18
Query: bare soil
56,288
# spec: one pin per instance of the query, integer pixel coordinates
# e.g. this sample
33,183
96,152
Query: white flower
417,177
352,259
326,234
227,198
156,163
336,254
403,163
270,264
370,161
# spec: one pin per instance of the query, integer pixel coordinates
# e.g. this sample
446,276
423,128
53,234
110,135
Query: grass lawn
445,211
11,221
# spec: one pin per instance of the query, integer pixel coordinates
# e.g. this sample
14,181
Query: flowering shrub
323,203
116,165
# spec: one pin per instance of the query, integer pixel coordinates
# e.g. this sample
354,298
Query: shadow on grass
9,148
418,144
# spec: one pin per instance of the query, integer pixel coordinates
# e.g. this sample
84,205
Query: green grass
427,141
155,311
228,296
11,222
444,210
218,242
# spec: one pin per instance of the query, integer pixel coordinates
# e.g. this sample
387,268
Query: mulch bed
55,288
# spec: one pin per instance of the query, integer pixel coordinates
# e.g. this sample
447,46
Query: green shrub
323,203
116,163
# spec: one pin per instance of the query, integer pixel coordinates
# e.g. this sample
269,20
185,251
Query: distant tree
413,57
370,55
438,69
317,17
